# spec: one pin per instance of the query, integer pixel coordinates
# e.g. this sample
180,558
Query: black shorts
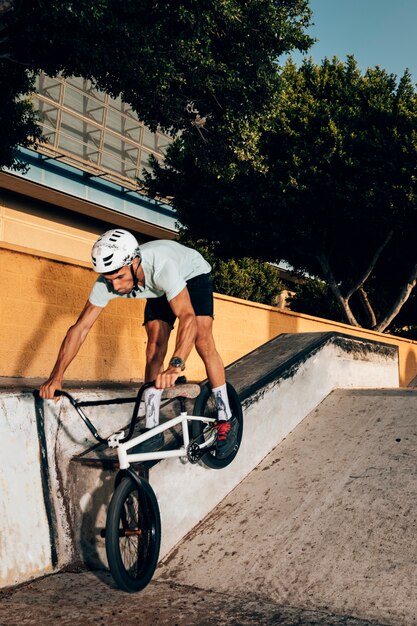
200,289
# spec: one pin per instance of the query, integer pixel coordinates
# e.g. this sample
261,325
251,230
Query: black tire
205,406
133,559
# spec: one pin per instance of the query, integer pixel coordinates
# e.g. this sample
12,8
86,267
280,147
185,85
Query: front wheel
133,534
205,433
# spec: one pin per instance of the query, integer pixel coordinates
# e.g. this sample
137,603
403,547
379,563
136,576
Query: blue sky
376,32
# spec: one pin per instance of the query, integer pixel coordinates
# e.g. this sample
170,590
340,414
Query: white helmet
113,250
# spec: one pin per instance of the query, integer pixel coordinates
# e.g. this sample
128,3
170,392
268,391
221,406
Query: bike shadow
92,491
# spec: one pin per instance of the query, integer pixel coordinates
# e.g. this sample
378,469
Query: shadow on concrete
53,315
90,522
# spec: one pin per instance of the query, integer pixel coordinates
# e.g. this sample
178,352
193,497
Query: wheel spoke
133,549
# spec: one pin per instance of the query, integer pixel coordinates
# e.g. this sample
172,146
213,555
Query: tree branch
8,57
370,267
344,302
367,307
402,298
216,100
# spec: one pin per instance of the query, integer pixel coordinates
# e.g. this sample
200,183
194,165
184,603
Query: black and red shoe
226,437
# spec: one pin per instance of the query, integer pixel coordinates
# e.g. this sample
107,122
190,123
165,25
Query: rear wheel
133,534
206,433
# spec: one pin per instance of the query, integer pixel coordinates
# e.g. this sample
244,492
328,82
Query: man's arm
69,348
186,335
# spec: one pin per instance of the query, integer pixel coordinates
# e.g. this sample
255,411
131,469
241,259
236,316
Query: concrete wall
36,531
42,297
52,509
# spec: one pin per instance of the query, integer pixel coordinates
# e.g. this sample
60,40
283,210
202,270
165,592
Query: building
83,180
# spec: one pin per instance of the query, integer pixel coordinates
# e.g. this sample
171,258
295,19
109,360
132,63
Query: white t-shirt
167,266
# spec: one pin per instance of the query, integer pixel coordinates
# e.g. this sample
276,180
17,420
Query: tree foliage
336,194
17,117
314,297
179,64
245,277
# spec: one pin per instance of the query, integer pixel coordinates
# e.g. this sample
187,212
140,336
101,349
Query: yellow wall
29,224
253,324
41,298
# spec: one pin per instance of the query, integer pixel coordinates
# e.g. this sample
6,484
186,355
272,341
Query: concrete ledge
39,441
283,355
279,384
54,509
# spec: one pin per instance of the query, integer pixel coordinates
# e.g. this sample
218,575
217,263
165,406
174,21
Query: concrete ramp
279,383
64,493
327,521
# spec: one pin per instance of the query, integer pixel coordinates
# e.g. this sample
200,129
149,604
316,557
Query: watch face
176,361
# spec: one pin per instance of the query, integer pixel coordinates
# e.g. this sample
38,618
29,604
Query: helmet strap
134,277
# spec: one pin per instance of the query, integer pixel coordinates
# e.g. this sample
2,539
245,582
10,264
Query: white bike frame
123,448
116,440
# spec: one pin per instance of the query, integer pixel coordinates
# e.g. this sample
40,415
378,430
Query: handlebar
79,404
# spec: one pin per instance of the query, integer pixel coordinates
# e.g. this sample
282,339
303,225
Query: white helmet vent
114,249
116,235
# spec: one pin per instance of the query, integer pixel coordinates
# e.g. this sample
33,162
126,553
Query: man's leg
206,348
158,334
227,428
201,294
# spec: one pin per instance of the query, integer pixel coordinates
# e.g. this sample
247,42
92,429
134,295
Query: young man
176,282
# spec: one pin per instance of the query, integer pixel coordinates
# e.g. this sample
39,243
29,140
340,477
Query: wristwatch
177,361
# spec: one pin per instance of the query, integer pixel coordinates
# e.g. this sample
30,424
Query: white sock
152,399
222,403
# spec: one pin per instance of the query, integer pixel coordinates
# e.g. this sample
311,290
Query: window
91,130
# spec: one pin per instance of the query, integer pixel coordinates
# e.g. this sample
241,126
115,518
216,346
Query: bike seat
186,390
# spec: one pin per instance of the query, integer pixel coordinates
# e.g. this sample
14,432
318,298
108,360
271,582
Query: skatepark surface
323,531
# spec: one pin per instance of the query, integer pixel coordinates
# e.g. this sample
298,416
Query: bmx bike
133,523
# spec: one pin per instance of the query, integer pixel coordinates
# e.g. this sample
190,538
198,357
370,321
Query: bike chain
194,452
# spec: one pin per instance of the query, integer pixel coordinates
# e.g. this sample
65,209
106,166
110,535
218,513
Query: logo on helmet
116,248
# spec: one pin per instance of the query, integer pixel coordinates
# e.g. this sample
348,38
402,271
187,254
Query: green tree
180,65
17,117
336,193
314,297
245,277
